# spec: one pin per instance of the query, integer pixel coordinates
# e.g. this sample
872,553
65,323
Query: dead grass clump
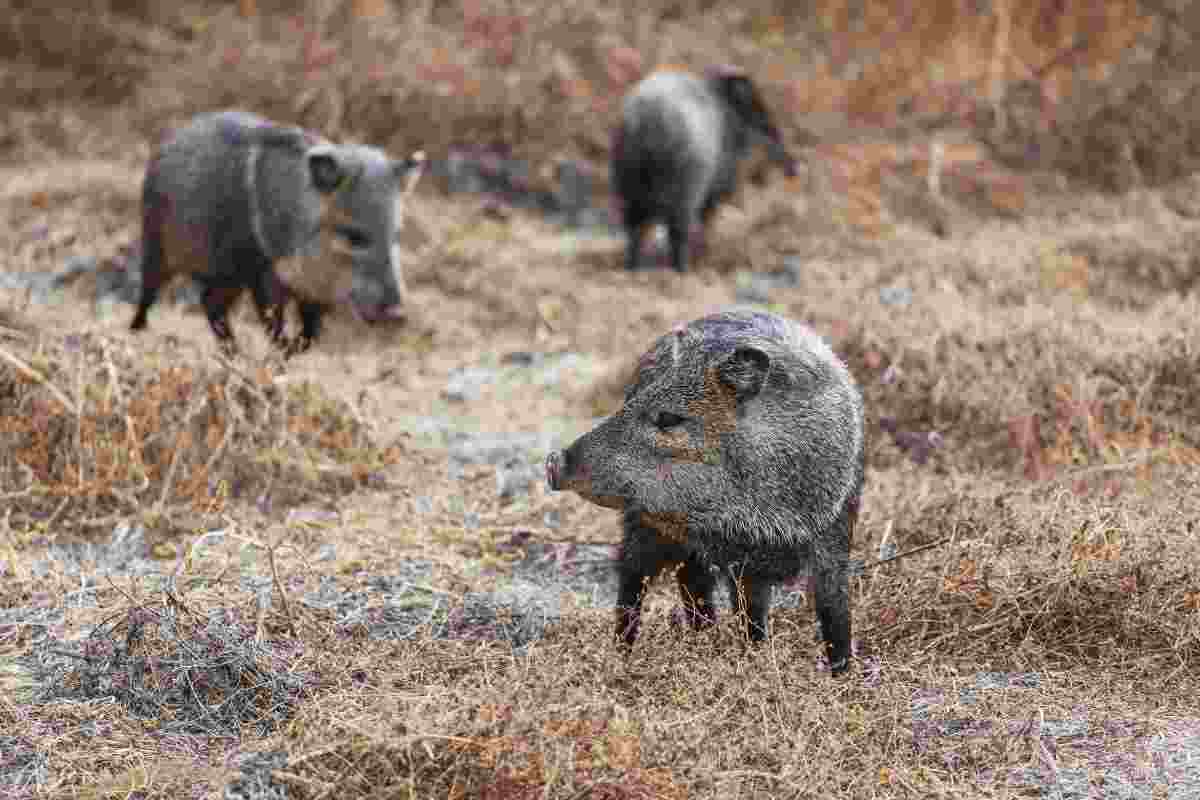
1128,272
190,673
108,430
1106,581
79,55
1094,614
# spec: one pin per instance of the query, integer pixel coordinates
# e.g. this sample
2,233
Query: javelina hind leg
831,598
635,228
152,276
754,600
310,327
696,587
217,300
270,298
679,231
630,589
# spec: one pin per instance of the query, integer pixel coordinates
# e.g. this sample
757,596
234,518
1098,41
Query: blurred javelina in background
238,202
676,151
738,455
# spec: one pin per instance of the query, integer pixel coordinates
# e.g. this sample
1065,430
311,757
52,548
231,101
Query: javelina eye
665,420
354,237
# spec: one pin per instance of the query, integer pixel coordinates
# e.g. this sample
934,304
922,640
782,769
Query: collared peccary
739,456
676,151
237,202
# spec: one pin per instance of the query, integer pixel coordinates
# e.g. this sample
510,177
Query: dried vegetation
994,230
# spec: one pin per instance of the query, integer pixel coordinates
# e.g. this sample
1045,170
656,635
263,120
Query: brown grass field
1012,281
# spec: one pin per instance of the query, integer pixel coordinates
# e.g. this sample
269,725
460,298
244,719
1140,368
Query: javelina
738,455
237,201
676,151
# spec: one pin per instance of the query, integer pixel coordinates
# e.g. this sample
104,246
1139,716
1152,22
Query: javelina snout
737,457
567,471
367,222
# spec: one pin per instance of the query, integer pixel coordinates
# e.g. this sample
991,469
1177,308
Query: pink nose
390,313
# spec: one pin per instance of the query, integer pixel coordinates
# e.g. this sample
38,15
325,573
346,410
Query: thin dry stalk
177,455
79,393
40,378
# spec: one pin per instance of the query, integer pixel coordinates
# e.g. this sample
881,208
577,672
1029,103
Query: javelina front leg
635,228
310,327
679,232
217,300
831,597
629,605
270,298
152,259
697,586
754,600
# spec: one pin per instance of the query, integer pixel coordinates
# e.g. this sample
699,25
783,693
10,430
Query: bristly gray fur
740,447
676,151
230,195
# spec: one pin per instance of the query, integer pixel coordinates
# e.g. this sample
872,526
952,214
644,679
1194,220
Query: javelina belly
738,455
676,151
232,199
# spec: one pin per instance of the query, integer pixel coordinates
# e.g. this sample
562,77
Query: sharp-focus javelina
238,202
676,151
738,455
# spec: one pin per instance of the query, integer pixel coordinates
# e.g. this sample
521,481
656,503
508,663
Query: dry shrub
83,55
1034,77
94,424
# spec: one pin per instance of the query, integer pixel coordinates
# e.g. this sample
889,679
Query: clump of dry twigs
96,431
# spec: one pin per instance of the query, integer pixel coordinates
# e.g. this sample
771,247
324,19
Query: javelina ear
744,370
325,169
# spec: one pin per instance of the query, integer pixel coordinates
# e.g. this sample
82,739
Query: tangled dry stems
1038,534
89,424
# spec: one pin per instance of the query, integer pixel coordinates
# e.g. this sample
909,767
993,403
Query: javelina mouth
579,484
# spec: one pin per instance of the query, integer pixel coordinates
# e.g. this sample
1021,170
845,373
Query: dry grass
300,615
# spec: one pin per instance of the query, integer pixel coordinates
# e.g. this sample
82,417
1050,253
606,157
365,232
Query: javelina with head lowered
676,152
739,456
238,202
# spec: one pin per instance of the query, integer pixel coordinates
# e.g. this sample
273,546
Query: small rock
751,287
522,358
466,383
514,477
75,266
314,516
495,448
574,191
895,296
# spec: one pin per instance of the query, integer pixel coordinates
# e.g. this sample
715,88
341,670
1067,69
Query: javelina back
676,151
738,455
240,202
